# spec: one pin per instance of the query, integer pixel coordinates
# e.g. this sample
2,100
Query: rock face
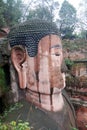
37,69
42,120
82,118
36,57
77,87
75,49
4,52
75,55
79,70
36,54
76,78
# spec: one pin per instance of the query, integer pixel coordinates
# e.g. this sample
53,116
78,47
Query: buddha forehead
30,33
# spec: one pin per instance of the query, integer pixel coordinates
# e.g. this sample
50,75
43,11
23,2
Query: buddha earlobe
18,57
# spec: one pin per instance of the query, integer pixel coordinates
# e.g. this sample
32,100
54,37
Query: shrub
2,82
69,63
13,125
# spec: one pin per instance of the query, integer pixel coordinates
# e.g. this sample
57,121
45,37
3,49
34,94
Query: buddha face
43,71
41,74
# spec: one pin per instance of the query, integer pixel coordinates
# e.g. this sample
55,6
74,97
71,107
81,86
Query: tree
2,10
40,13
83,19
13,12
67,15
10,12
44,10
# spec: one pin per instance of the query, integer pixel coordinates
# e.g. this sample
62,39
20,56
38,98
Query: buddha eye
56,49
56,54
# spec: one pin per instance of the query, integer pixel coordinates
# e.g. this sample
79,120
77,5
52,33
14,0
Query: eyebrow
56,46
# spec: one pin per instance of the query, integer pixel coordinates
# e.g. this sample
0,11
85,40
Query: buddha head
36,53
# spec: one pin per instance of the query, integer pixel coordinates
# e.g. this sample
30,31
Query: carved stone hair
30,33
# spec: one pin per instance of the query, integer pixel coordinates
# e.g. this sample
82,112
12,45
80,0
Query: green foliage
2,10
10,12
13,125
13,107
43,10
2,82
74,129
67,15
69,63
83,34
74,45
40,13
13,12
72,81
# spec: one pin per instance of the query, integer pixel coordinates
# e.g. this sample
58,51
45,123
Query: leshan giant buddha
36,54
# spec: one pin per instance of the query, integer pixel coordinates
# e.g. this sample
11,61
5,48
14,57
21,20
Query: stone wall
76,86
76,79
79,69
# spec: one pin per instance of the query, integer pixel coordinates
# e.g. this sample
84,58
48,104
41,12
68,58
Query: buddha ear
18,57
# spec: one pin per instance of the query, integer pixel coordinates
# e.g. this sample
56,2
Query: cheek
56,57
31,71
56,60
61,57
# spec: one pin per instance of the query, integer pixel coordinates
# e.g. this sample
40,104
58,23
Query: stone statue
36,54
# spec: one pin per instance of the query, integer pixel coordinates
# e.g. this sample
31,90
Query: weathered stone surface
42,119
75,55
42,73
77,88
36,53
4,52
82,118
